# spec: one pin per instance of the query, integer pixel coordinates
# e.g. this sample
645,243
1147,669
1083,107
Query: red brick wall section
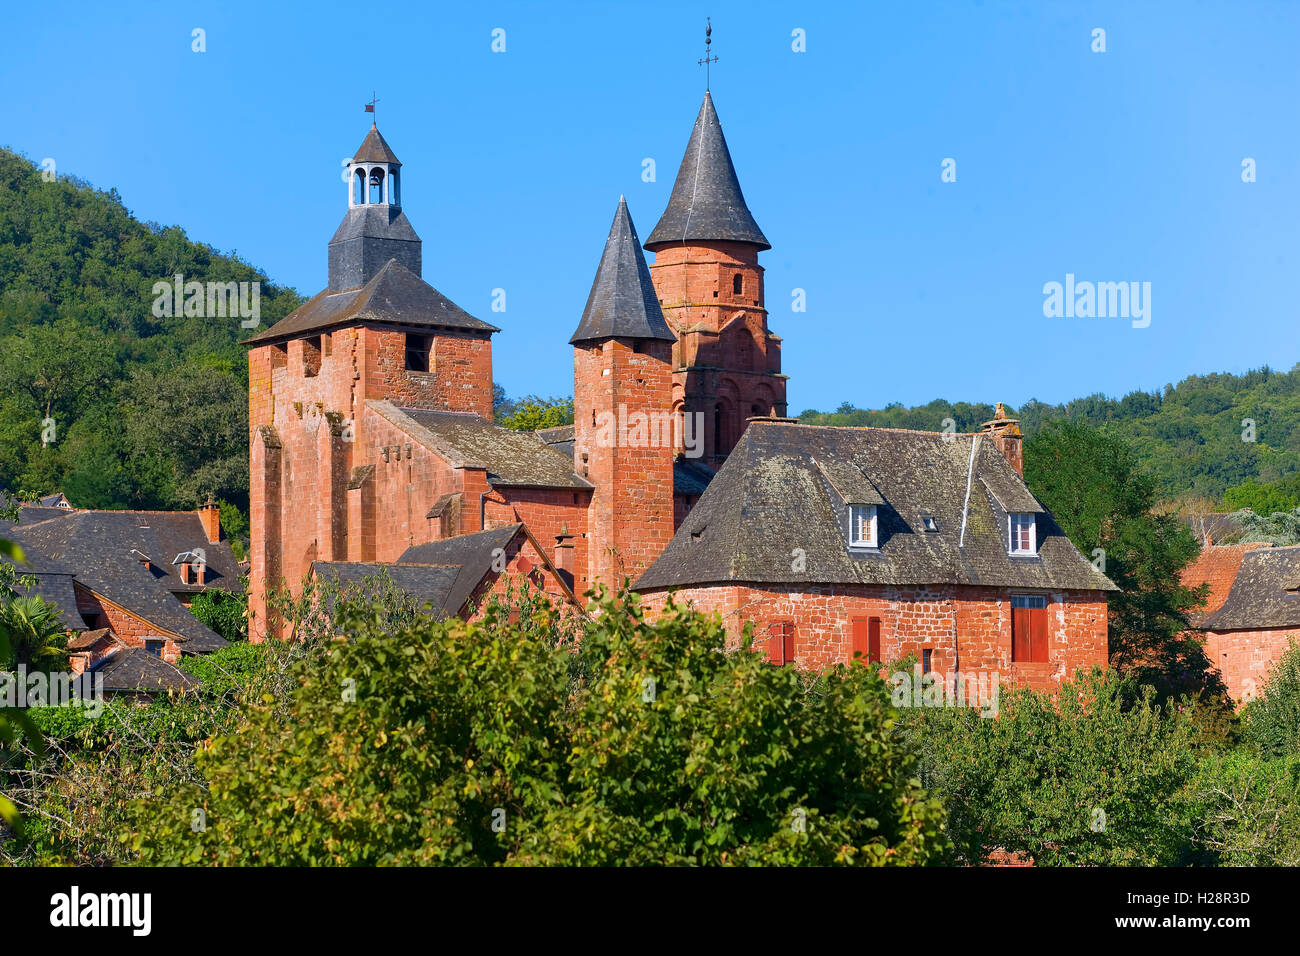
132,630
630,521
1244,658
725,356
310,397
1217,566
548,512
967,628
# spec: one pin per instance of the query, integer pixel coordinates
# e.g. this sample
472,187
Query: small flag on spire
370,107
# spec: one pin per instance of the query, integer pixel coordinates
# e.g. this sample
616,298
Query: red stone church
372,439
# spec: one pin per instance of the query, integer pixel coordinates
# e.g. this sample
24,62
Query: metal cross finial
708,40
370,107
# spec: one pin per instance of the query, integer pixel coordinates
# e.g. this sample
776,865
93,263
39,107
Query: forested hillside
1190,437
144,412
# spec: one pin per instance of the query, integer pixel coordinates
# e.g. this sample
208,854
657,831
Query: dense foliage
99,398
447,742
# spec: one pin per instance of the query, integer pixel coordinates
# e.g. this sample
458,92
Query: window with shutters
862,526
1023,539
1029,643
866,640
780,642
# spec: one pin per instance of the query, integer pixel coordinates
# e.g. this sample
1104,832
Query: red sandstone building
372,440
1252,612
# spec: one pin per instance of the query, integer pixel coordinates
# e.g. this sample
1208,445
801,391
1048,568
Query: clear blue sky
1115,166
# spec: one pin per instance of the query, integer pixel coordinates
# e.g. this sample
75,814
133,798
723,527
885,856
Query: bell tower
374,229
726,363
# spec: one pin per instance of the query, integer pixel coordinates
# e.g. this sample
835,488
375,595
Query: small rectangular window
927,660
1023,537
862,526
417,352
154,648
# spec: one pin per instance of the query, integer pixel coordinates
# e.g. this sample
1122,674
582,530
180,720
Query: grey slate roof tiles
375,149
622,302
1264,594
511,458
772,496
706,203
441,574
96,547
395,296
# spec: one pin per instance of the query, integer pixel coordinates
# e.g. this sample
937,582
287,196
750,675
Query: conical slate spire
374,149
622,303
707,204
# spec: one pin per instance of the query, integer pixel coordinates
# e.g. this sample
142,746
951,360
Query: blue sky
1117,166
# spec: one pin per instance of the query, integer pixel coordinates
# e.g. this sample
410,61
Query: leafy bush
1092,777
224,611
447,742
1273,721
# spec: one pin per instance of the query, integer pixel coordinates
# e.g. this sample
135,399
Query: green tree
1090,480
453,742
36,638
1273,720
531,413
1089,776
224,612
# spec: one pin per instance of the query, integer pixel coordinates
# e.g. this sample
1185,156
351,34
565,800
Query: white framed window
1023,537
862,526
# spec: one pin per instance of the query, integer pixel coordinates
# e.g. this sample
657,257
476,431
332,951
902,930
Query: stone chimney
1005,434
210,517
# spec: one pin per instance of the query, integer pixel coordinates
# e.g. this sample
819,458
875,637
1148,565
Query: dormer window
928,523
1023,534
862,526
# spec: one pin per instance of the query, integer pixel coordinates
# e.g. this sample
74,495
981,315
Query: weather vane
370,107
708,40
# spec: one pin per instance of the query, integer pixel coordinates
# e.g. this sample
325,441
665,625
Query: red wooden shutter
861,639
780,643
1038,626
1021,641
873,640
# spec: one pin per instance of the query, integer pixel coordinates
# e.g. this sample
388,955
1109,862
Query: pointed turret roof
374,149
707,204
622,303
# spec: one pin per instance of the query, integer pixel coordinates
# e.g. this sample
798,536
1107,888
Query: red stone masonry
726,363
967,629
630,519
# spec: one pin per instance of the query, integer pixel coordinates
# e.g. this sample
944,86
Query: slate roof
395,296
472,553
511,458
442,574
375,149
706,203
135,670
53,580
1266,593
95,546
690,476
622,302
773,496
427,584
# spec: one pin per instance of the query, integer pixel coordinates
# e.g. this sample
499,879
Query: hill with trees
1201,438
